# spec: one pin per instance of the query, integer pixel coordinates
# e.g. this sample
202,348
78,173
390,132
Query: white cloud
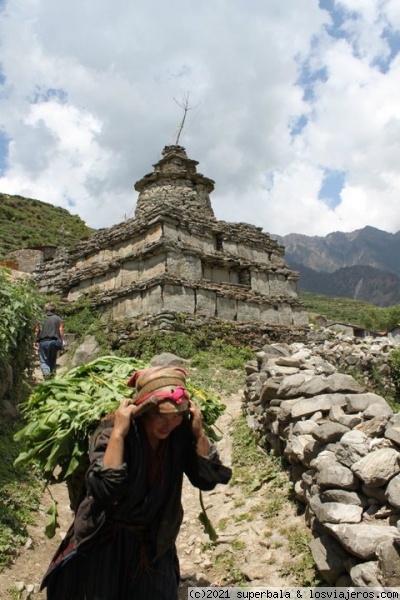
88,104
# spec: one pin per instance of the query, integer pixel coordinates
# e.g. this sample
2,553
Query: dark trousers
48,356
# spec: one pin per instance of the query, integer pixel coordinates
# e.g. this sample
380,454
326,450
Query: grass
251,466
302,566
20,492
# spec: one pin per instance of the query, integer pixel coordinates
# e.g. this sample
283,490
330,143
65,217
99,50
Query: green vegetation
19,308
186,342
20,491
302,566
25,223
354,312
20,488
394,364
253,467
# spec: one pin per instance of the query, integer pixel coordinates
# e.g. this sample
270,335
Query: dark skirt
116,567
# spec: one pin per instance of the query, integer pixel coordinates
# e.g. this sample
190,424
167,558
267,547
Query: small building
28,260
351,330
394,333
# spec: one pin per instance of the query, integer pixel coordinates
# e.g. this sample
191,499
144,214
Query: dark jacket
120,497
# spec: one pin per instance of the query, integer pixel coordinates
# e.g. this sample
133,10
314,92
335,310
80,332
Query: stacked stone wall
342,445
168,322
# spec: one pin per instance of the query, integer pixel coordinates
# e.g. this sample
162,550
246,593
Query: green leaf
52,523
205,521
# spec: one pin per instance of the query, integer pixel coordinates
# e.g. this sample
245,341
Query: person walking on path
121,545
49,339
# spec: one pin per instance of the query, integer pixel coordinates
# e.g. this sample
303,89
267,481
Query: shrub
19,310
394,364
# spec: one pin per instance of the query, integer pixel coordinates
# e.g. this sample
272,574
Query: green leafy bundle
62,413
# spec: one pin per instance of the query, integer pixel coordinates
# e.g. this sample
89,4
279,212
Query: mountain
359,283
364,247
25,223
362,264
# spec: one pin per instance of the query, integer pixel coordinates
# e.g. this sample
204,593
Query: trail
252,546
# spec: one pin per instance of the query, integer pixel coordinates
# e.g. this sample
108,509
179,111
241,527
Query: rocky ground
259,544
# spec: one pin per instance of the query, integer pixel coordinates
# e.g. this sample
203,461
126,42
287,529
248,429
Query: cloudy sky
294,106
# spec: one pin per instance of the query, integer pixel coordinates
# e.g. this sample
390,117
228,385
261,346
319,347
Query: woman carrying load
121,545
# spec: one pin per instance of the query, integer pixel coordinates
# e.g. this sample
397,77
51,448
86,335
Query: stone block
152,300
277,284
131,306
178,298
247,311
260,283
206,302
300,317
186,266
130,272
153,266
285,314
226,308
269,314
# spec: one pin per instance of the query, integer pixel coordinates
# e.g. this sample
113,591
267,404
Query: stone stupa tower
176,257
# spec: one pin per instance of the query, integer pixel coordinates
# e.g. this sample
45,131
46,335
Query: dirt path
253,546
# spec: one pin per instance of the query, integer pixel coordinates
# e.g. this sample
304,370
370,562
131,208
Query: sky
293,106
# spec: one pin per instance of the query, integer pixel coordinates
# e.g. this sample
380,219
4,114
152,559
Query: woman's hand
202,445
114,454
123,416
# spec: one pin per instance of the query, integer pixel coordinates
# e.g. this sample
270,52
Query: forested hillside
25,222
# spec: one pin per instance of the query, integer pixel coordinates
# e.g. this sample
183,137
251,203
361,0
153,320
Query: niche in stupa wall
218,275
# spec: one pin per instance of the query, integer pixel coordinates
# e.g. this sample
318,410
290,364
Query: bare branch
184,104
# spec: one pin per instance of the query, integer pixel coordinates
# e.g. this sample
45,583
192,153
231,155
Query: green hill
25,223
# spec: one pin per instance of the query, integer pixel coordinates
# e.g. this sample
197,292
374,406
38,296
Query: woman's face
158,425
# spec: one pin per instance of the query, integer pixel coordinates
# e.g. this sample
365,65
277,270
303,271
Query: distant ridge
363,264
364,247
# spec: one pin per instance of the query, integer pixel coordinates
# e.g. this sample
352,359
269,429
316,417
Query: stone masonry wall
342,444
133,272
